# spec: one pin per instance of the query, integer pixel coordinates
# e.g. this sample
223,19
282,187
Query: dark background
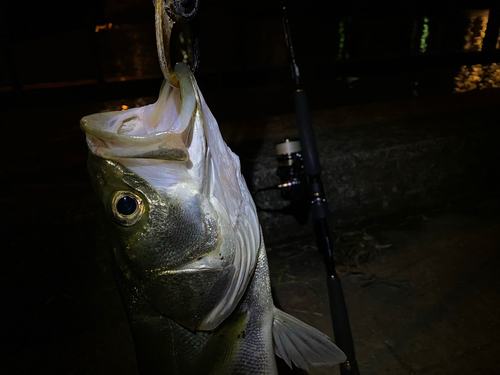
362,50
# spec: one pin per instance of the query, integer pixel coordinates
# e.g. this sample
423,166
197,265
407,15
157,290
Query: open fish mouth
158,131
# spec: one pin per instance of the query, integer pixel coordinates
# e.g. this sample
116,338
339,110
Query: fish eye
127,207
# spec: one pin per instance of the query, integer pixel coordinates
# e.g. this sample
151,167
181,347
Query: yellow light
124,107
478,20
103,27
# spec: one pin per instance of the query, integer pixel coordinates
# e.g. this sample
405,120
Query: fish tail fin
298,343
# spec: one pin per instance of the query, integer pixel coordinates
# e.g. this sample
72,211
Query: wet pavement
423,290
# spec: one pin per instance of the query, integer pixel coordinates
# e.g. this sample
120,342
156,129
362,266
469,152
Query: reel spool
290,169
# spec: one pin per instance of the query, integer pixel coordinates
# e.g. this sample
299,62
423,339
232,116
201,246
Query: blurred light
472,77
478,21
106,26
342,39
425,35
477,76
124,107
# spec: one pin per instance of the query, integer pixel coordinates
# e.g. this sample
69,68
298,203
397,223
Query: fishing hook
167,13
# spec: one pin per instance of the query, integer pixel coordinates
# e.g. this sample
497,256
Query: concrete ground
423,289
428,304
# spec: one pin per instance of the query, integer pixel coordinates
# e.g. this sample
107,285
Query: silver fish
190,261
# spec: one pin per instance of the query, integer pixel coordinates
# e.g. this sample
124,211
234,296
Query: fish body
189,258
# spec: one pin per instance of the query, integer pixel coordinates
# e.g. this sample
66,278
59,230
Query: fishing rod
320,212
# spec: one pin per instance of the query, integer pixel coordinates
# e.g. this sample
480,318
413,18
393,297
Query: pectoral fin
298,343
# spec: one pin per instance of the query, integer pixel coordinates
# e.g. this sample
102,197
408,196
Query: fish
188,253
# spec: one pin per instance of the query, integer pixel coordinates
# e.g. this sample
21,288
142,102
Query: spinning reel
290,170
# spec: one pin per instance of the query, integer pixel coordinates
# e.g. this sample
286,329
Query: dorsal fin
298,343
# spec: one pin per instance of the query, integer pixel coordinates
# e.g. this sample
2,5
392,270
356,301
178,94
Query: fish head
182,223
154,232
